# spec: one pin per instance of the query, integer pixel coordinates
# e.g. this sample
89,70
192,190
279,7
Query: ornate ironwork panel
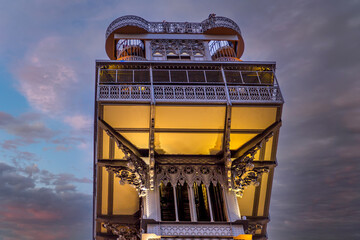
190,173
172,27
123,232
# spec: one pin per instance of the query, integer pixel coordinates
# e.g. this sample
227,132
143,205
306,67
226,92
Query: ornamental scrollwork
122,231
178,47
253,227
172,27
129,176
190,174
136,171
243,171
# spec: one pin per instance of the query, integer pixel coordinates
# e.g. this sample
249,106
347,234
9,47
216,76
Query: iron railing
189,93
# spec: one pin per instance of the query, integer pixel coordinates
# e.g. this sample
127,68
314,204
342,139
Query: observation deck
134,25
205,82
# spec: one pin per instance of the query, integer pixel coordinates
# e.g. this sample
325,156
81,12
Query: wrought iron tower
185,133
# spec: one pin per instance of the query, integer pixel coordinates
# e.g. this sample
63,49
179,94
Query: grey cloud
28,129
29,212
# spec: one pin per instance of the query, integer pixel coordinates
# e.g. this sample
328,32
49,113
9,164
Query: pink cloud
45,78
19,213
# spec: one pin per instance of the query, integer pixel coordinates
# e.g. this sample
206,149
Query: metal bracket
136,171
243,171
252,227
123,231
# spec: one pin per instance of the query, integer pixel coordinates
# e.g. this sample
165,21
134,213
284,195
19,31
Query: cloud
44,77
29,212
79,122
28,127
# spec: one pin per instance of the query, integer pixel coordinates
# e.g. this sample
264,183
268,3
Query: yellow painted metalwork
257,156
268,149
188,143
105,144
127,116
105,191
193,117
140,140
125,199
246,203
263,190
252,117
239,139
103,230
149,236
244,237
118,154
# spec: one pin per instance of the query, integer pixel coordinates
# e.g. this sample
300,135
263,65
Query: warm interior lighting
244,237
147,236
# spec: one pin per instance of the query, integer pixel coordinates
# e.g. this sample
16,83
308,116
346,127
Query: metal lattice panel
176,93
124,92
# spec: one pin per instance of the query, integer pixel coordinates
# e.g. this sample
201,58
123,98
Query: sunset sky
47,65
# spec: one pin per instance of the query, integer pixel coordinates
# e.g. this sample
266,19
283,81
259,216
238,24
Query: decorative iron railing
255,94
189,93
124,93
172,27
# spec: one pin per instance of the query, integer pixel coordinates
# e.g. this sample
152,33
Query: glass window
167,204
160,76
183,203
141,76
125,76
214,76
250,77
266,77
217,202
233,77
201,202
178,76
196,76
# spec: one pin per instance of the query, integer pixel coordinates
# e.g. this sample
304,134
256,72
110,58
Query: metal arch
128,20
214,22
172,27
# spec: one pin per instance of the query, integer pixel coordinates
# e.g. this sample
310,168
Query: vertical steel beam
210,204
176,204
192,204
152,134
226,140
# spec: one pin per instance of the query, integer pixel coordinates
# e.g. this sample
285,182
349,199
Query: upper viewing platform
215,38
182,62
